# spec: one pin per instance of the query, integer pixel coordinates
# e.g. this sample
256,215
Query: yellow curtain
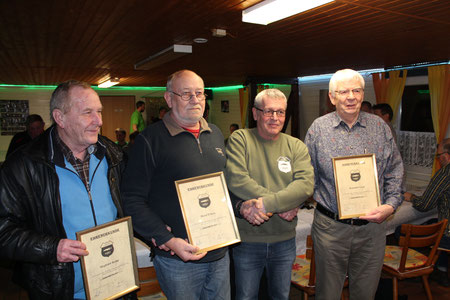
380,84
243,102
395,90
439,84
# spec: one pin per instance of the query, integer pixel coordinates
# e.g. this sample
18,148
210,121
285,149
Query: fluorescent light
163,56
109,83
270,11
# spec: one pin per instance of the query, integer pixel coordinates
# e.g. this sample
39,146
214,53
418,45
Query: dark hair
367,103
234,125
385,109
139,104
60,96
162,108
33,118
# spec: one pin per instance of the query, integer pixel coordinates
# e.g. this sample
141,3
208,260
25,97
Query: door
117,112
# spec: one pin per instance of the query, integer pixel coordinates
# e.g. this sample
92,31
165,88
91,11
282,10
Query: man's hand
408,196
254,212
70,250
183,249
379,214
289,215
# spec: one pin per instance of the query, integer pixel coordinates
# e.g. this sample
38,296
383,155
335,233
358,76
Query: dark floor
413,290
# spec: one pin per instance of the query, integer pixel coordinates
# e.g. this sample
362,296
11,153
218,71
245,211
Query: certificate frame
207,211
356,181
110,269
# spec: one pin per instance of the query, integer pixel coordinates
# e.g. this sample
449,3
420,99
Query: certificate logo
107,248
355,175
204,200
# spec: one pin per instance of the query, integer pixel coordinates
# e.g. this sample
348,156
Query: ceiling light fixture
269,11
109,83
164,56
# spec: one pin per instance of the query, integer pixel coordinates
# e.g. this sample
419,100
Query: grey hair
60,96
176,75
269,93
343,75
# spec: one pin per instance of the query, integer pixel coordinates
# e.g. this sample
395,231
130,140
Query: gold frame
206,185
112,232
348,171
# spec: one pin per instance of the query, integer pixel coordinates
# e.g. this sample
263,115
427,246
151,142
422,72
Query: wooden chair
303,274
149,285
402,262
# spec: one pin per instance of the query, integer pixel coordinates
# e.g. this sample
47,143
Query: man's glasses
187,96
269,112
345,93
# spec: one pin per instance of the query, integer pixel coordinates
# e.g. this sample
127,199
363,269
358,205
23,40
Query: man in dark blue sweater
182,146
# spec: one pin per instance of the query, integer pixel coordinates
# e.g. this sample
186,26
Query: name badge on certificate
356,181
207,211
110,269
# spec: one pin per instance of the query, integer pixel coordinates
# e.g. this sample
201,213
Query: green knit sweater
279,171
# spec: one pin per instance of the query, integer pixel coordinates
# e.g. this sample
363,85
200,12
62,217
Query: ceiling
50,41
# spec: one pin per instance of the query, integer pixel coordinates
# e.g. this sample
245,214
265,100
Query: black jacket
30,214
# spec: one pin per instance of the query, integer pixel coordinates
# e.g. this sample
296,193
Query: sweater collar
175,129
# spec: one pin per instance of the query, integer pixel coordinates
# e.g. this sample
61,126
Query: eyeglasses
269,112
439,154
187,96
355,92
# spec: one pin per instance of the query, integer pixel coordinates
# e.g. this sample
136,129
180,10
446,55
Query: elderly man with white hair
351,246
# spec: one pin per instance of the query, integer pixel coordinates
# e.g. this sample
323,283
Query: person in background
269,175
182,146
62,194
437,194
137,122
384,111
121,134
34,127
162,111
353,247
367,107
233,127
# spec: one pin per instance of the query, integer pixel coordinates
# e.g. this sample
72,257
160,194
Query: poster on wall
13,114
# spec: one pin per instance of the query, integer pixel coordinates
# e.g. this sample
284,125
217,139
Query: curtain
243,103
380,84
389,90
395,90
439,84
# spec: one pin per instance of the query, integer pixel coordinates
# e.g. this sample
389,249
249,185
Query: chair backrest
148,282
418,236
310,255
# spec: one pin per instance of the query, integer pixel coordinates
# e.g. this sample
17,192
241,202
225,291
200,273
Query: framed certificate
207,211
110,269
357,189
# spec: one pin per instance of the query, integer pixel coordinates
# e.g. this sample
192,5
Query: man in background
437,194
353,247
269,175
182,146
121,134
233,127
367,107
137,121
384,111
162,111
34,127
49,191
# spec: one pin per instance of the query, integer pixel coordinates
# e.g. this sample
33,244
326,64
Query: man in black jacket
64,181
182,146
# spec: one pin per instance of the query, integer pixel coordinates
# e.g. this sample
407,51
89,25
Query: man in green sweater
137,122
269,175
